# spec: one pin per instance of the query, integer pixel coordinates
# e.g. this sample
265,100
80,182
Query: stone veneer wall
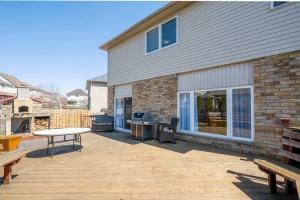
276,93
157,96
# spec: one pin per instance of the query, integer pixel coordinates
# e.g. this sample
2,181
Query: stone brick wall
110,100
157,96
277,93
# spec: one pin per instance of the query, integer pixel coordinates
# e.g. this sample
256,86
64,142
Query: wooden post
289,188
7,173
272,182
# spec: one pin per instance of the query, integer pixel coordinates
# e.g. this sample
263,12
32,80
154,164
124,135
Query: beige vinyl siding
217,77
123,91
210,34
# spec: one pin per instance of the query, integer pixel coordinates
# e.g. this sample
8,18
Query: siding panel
210,34
123,91
217,77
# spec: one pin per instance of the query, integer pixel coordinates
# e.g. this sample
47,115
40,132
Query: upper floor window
152,40
161,36
275,4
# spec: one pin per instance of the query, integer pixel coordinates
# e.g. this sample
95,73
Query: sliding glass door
123,110
219,113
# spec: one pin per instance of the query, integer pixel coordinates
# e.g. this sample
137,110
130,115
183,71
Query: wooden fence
69,118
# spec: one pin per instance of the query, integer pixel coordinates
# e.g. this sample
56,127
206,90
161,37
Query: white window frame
275,7
160,35
229,135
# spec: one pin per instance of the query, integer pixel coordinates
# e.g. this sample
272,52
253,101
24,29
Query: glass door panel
119,113
127,112
241,113
184,111
210,114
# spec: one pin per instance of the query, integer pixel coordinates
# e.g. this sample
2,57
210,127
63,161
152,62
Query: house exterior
77,99
228,70
97,94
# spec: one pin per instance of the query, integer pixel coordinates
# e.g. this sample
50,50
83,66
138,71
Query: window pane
210,112
119,113
278,3
169,33
127,111
241,113
152,40
184,111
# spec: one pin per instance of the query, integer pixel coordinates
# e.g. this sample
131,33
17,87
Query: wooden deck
111,166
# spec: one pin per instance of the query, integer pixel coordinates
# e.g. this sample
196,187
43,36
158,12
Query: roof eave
147,22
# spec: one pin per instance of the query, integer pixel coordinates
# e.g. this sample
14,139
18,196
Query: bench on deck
290,174
7,160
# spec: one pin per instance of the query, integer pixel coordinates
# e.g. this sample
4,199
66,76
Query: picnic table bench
290,174
7,160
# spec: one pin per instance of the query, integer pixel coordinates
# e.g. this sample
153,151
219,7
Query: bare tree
51,96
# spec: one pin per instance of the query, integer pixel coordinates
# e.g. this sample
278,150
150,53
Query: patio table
51,133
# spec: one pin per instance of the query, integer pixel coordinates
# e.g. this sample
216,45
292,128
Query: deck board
112,166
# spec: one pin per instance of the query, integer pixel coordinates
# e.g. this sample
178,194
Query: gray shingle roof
16,82
77,92
102,79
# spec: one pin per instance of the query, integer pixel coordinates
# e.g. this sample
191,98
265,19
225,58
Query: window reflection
210,112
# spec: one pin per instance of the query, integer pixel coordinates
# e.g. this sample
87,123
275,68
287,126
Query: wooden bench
7,160
290,174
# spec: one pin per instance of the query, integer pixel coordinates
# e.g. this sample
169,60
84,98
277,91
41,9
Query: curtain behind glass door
119,113
241,113
184,111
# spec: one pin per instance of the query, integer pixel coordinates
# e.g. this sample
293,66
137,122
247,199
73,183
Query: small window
275,4
168,30
152,40
162,36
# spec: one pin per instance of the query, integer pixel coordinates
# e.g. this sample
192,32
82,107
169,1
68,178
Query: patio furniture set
141,127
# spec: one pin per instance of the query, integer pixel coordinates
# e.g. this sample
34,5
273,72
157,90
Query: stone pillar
110,100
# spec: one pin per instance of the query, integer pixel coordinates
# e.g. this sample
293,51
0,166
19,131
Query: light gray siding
210,34
217,77
123,91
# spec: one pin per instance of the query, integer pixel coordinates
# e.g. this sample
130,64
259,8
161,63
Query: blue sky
56,43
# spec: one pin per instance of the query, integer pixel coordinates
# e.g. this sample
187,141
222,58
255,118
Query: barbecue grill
141,125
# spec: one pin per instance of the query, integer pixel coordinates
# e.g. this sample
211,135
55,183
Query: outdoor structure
77,99
227,70
22,114
97,94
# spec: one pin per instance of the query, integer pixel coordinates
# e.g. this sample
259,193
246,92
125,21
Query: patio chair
167,132
103,123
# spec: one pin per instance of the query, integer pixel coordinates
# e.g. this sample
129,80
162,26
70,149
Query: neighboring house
9,86
228,70
77,99
97,94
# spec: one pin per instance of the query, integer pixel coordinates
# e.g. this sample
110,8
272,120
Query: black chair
167,132
103,123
